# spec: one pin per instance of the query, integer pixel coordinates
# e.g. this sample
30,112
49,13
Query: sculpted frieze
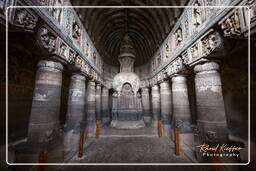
231,24
175,67
47,40
57,12
210,42
178,36
24,19
197,14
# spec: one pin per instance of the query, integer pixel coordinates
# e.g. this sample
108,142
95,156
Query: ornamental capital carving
231,24
24,19
175,67
47,41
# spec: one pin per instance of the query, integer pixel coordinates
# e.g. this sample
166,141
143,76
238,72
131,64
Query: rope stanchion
42,159
177,141
160,129
81,144
97,129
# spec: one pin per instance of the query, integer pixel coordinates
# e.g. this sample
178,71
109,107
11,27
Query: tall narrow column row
76,116
45,109
146,105
166,107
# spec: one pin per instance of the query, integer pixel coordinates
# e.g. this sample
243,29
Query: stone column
76,116
98,102
211,117
146,105
166,107
105,105
181,110
181,107
44,117
156,110
91,117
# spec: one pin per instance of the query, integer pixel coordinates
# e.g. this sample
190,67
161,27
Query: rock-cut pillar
181,107
76,116
98,102
105,105
156,110
44,117
146,105
211,117
181,110
166,107
90,110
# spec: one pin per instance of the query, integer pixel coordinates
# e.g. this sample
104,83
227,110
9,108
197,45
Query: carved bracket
23,18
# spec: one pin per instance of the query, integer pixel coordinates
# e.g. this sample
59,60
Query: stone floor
131,150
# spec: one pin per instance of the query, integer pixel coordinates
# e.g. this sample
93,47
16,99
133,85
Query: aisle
131,150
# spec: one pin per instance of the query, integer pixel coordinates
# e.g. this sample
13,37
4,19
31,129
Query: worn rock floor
131,150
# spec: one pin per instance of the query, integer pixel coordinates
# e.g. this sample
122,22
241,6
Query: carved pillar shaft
146,105
181,111
181,107
166,107
105,105
45,109
76,113
91,108
156,110
98,101
211,117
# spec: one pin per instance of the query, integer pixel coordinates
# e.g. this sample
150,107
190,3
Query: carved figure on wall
86,49
194,52
185,58
178,36
209,43
231,25
197,14
56,10
63,50
167,50
71,56
76,31
48,40
25,19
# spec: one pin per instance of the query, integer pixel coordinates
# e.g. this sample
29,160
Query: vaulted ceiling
147,27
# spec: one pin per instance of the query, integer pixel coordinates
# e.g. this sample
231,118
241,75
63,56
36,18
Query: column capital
208,66
179,78
50,64
78,76
164,83
155,87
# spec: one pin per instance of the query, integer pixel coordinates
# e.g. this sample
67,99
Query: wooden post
97,129
159,124
177,145
216,159
81,144
42,159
